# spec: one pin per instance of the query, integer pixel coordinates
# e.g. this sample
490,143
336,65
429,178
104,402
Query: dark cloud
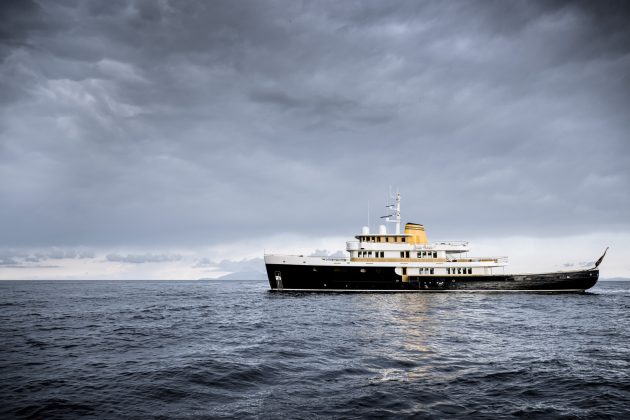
196,123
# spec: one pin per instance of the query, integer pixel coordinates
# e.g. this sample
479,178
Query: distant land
245,275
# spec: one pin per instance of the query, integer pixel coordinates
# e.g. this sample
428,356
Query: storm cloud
167,125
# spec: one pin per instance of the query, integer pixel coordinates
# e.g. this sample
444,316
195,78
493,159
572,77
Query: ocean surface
225,349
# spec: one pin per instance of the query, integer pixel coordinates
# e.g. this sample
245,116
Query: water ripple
231,349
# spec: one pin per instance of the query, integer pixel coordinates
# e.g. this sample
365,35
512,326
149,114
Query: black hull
384,279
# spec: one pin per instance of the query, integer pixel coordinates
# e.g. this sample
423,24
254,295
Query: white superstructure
409,253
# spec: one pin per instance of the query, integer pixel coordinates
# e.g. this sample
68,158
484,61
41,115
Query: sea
232,349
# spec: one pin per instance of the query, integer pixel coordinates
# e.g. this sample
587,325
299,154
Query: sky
183,139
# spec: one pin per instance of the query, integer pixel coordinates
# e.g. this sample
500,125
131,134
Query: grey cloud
8,261
203,263
244,265
143,258
325,253
58,254
15,257
581,264
244,269
194,123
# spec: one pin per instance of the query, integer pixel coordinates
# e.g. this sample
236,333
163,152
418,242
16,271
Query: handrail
478,259
463,243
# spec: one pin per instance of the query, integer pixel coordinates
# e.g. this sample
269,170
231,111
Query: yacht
407,262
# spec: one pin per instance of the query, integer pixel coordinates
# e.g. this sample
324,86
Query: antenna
394,210
397,214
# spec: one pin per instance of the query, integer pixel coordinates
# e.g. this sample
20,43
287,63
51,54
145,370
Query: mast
396,213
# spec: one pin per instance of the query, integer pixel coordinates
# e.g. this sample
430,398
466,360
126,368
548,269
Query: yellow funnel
419,236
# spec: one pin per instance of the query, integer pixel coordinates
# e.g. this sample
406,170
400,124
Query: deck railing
498,260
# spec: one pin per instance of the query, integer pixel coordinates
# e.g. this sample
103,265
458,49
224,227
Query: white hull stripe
424,290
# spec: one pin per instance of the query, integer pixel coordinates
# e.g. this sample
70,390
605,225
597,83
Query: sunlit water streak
231,348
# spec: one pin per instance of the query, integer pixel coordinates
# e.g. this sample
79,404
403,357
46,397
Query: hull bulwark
384,279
